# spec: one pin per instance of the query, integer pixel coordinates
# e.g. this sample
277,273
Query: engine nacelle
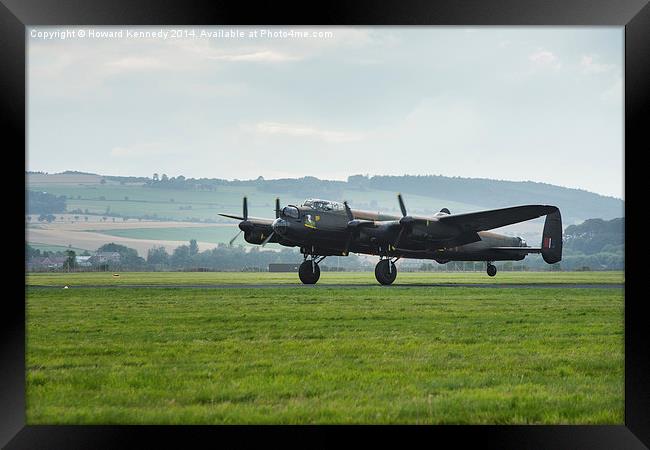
257,234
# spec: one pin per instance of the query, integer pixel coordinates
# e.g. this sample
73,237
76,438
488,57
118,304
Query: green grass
207,204
143,200
54,248
327,355
107,278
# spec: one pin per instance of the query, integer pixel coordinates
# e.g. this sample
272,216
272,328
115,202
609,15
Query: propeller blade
401,204
348,211
245,208
268,238
406,222
231,216
277,208
399,237
346,249
233,239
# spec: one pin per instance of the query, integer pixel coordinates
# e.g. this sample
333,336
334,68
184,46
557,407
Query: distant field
55,248
329,355
87,235
85,193
136,200
94,278
217,234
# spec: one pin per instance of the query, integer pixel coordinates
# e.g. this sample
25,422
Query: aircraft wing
495,218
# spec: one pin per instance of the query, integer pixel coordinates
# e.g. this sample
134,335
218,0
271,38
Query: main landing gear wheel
309,272
384,273
491,270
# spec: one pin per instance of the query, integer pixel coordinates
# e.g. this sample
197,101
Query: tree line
44,204
188,257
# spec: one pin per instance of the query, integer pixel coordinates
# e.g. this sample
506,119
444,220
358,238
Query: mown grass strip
368,355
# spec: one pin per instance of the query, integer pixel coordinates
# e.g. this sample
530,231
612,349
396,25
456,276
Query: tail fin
552,238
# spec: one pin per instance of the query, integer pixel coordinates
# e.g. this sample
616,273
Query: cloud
136,63
545,58
83,69
260,56
142,150
302,130
212,89
589,66
443,122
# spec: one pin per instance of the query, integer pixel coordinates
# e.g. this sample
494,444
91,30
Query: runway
347,286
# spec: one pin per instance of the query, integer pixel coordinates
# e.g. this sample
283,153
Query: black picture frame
634,15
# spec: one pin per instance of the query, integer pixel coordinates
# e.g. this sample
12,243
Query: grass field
325,355
215,235
54,248
193,278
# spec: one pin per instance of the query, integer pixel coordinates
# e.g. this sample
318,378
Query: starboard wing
496,218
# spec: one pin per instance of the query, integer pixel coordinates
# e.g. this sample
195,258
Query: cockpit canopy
323,205
291,211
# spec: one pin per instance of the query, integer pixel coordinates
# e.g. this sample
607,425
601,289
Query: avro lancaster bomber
323,228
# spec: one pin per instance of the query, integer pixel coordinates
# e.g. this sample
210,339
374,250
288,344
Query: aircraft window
291,211
323,205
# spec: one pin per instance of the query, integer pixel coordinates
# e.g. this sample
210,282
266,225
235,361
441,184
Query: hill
189,199
596,236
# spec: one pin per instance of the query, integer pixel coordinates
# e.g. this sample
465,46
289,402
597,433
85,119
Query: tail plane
552,238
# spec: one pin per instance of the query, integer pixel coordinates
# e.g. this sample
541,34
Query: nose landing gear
491,269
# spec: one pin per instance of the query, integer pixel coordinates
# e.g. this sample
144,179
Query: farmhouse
105,258
49,262
83,261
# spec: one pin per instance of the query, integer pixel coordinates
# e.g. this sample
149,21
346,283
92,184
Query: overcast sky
516,103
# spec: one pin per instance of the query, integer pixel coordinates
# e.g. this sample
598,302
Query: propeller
354,225
268,238
244,217
401,204
245,208
233,239
406,221
348,212
243,223
277,216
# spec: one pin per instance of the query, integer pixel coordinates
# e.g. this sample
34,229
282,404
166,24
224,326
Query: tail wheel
491,270
384,272
309,272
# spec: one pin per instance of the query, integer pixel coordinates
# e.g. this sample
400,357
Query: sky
514,103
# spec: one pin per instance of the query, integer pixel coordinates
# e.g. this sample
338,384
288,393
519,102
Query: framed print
411,214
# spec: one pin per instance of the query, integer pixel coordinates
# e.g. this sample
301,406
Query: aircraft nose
280,226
